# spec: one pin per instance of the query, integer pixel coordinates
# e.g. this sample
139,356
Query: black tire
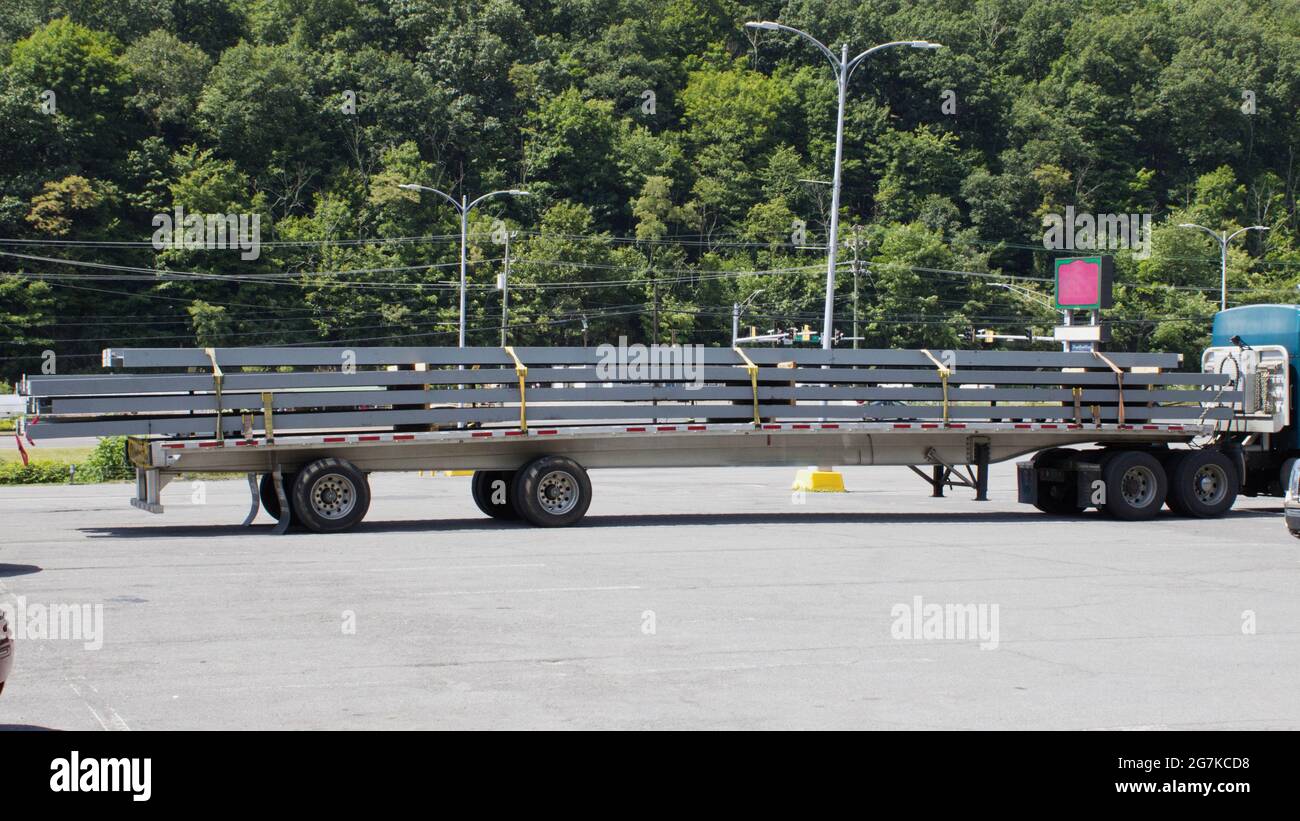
1057,498
330,495
271,502
484,488
1173,500
1202,483
1135,483
1284,473
552,491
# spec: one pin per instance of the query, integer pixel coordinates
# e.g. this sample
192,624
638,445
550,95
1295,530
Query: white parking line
536,590
114,723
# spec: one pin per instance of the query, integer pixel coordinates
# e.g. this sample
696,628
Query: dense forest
670,154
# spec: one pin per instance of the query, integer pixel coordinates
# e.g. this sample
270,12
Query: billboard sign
1084,283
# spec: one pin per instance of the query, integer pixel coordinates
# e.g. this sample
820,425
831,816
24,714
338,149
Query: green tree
168,75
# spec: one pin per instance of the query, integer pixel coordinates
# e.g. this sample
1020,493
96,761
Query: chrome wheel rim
557,493
1210,484
1138,486
333,496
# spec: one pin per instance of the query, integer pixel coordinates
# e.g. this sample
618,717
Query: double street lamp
736,308
1034,296
844,68
464,207
1223,239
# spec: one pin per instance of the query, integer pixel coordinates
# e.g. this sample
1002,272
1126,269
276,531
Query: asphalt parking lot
687,599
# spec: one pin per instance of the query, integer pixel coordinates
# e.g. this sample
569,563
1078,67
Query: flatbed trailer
944,450
1143,450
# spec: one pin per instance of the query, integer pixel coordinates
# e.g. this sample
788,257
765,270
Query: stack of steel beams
228,391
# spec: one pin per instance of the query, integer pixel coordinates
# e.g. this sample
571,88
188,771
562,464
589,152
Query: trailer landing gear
943,475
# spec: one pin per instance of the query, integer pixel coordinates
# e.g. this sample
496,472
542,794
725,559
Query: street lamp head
765,25
1259,227
518,193
924,44
409,187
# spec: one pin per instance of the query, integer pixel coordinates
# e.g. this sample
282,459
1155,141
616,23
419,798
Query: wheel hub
557,493
1210,484
1138,486
333,496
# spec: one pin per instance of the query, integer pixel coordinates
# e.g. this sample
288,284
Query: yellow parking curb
812,480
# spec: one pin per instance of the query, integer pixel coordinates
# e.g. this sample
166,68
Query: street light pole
1223,239
828,313
464,207
505,292
464,241
857,248
844,68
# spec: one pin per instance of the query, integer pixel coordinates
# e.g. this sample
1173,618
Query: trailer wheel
495,500
271,502
552,491
330,495
1202,483
1057,498
1135,484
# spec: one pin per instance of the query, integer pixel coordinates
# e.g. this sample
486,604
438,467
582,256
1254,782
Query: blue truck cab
1268,462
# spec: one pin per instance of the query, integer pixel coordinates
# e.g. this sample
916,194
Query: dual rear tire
1136,484
550,491
1197,483
271,501
1202,483
493,492
325,496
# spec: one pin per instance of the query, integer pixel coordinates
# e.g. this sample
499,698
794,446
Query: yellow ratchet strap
944,373
268,422
1119,380
521,370
753,379
217,376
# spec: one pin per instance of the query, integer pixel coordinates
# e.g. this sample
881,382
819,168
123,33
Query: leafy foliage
675,162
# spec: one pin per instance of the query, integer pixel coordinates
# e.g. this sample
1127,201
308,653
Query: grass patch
9,453
105,462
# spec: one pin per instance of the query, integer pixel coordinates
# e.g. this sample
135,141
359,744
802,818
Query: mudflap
1026,483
